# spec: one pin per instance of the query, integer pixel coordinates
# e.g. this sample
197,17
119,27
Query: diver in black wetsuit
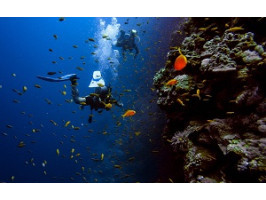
127,42
99,100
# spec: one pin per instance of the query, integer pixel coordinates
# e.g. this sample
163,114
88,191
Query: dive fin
59,79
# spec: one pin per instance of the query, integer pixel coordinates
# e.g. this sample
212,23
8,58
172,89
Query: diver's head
134,32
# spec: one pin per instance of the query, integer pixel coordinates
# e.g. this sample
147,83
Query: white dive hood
96,80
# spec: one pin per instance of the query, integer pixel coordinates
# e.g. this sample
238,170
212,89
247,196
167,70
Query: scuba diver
127,42
99,100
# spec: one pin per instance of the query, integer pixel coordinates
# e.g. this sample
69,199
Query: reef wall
216,111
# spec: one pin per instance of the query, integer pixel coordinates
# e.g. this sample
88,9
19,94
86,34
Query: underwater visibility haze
125,100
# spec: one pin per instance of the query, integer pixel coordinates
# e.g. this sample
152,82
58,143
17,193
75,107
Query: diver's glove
73,79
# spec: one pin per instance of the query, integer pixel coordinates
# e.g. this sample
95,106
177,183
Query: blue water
24,44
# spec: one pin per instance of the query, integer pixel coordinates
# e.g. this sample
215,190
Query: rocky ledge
216,111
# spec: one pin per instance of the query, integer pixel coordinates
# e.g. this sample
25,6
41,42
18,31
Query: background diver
99,100
127,42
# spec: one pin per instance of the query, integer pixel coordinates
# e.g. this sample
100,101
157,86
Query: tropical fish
55,36
72,150
180,102
54,123
79,68
61,58
37,86
180,62
202,29
51,73
63,92
233,29
214,28
48,101
102,156
61,19
100,84
91,39
57,152
14,75
129,113
25,88
197,94
16,101
171,82
54,62
117,166
75,46
137,133
67,123
21,144
108,105
51,50
104,36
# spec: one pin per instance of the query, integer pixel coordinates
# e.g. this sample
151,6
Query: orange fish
180,61
171,82
129,113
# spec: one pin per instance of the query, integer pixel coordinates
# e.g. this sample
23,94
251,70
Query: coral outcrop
217,110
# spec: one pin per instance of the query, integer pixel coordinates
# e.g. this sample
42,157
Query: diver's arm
75,94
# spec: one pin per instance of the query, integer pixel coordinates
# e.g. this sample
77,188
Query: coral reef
217,110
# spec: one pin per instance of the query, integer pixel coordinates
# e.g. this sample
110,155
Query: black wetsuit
127,42
97,101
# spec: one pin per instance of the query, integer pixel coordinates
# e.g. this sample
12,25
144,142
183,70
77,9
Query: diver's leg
75,93
137,51
124,53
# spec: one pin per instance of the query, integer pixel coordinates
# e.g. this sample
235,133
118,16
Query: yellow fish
72,150
67,123
233,29
108,105
137,133
197,94
102,156
25,88
181,102
63,92
57,152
